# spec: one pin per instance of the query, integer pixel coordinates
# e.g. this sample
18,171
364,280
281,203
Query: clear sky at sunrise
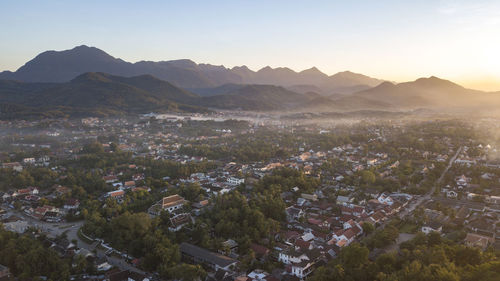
393,40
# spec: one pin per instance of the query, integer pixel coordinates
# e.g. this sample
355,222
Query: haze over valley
250,140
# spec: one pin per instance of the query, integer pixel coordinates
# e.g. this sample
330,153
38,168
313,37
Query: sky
393,40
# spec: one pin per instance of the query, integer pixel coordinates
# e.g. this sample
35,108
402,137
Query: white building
235,181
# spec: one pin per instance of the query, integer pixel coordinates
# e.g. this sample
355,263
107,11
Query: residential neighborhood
154,198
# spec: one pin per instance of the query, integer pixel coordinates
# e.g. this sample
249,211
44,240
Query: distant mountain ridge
431,92
62,66
141,87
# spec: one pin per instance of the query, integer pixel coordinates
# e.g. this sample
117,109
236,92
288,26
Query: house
4,272
141,188
195,254
26,191
138,177
102,264
432,226
258,275
377,217
229,247
475,196
4,196
129,184
482,225
385,198
462,180
307,236
172,203
110,178
290,236
301,201
177,222
16,166
290,255
29,160
310,197
300,264
343,200
451,194
198,207
235,181
85,253
45,212
345,236
293,213
117,194
15,224
479,241
492,199
61,190
353,210
63,247
372,192
72,204
260,251
462,214
201,204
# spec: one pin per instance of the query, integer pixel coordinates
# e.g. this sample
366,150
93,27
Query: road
417,202
429,194
53,230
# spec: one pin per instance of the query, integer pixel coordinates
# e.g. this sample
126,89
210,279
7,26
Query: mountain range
86,81
62,66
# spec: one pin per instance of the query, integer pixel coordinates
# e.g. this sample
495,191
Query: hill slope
97,93
256,97
104,94
429,92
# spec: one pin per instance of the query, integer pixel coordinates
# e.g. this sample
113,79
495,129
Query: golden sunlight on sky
458,40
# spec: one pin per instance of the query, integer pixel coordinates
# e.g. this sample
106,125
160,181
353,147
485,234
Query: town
247,197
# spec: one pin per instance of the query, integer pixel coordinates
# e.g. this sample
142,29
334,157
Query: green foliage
382,237
422,258
27,258
234,217
368,228
188,272
367,177
284,179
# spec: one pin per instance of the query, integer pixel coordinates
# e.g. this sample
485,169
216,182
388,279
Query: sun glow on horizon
400,41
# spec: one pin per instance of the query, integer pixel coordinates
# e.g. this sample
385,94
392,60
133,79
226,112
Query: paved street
427,197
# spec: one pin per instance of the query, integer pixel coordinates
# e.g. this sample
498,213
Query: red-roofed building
302,245
260,251
116,194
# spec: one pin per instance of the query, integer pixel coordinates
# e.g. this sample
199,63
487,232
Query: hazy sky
394,40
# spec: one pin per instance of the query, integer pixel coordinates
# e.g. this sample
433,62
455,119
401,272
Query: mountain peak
385,84
434,81
83,47
312,70
241,67
267,68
